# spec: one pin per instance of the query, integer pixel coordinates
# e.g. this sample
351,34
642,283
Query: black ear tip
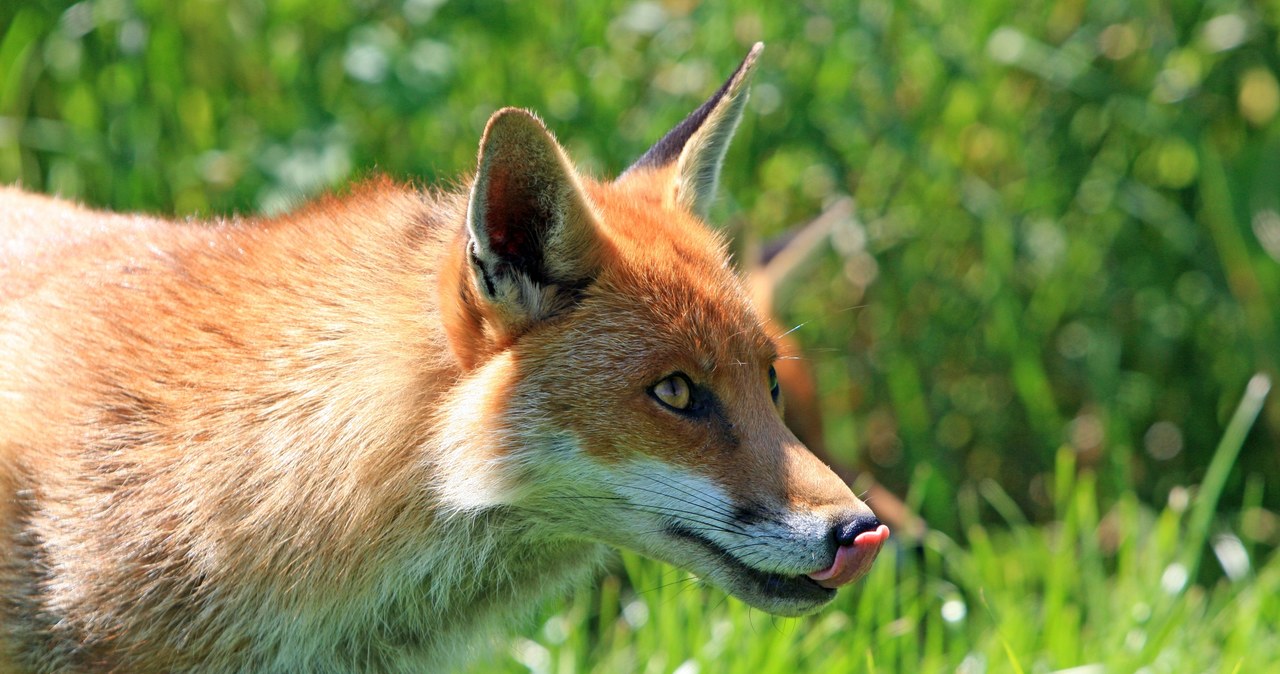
748,64
668,149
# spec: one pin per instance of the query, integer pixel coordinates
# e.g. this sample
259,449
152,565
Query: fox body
369,435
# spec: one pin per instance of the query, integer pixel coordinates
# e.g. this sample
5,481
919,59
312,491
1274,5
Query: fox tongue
854,560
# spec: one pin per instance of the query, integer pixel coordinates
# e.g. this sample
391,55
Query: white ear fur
532,230
698,144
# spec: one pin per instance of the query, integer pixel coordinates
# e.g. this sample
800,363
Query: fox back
372,434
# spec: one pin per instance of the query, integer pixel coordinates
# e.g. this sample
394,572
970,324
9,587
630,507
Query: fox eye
774,389
675,391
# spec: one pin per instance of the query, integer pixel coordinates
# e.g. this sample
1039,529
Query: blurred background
1066,230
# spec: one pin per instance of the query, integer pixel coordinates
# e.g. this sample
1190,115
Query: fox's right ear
688,158
532,235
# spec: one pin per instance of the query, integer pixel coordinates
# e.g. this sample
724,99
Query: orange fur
369,434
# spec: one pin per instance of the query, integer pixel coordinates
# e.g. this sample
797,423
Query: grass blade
1224,457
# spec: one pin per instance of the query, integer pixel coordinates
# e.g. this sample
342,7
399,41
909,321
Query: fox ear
533,242
695,148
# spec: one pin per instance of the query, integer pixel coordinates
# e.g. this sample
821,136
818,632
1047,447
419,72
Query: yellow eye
674,391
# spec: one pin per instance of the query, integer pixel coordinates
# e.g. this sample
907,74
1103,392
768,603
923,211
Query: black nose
848,529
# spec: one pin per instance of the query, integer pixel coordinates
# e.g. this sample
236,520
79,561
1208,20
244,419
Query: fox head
624,383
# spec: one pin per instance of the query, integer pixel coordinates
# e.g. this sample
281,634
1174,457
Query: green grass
1019,600
1114,591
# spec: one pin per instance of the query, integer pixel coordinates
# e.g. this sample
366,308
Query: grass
1114,591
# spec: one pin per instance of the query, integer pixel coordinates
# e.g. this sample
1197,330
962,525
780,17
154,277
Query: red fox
371,435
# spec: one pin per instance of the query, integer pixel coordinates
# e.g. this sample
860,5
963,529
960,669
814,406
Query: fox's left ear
532,234
693,151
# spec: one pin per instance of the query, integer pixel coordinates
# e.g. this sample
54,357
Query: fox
376,433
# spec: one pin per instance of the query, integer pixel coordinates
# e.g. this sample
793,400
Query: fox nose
858,540
846,531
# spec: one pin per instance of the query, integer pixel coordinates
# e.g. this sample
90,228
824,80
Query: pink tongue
853,561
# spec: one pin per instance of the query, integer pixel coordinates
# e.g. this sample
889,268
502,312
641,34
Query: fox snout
761,538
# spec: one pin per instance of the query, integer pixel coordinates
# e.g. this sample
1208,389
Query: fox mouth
797,589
